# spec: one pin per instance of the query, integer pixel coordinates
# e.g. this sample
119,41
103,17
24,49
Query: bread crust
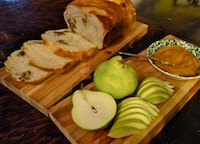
58,69
67,66
77,54
116,16
16,58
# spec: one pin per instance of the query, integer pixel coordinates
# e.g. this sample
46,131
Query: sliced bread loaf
43,57
100,21
19,67
66,43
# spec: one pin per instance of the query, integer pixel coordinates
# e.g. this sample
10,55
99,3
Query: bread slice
66,43
43,57
100,21
19,67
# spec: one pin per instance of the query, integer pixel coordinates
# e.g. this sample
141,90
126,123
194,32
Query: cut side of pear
153,107
134,108
157,87
151,90
162,83
132,122
126,128
127,100
133,116
153,110
157,99
92,110
155,90
123,131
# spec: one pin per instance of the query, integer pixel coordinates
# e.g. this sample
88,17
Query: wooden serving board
184,90
44,95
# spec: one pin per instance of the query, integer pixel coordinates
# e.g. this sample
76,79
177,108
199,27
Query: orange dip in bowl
188,64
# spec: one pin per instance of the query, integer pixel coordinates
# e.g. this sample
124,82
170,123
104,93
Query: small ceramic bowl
161,43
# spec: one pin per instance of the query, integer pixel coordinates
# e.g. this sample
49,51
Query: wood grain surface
184,91
23,20
44,95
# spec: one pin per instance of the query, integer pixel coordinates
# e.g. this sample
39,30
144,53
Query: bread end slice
19,67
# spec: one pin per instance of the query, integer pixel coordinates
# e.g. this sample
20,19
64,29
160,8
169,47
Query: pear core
116,78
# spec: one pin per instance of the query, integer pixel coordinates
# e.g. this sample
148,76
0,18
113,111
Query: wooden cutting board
184,90
44,95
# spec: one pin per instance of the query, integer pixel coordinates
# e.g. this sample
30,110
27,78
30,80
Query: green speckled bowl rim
161,43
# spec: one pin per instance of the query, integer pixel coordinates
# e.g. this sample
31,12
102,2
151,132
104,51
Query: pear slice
152,89
123,131
92,110
134,108
122,128
157,98
153,110
169,87
134,122
132,116
149,85
153,106
127,100
130,123
162,83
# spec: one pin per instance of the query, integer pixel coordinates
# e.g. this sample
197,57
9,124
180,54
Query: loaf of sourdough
66,43
100,21
43,57
19,67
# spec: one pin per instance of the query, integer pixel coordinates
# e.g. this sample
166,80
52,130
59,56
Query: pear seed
94,110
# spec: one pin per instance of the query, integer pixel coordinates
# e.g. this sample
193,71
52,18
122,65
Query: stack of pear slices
133,116
155,90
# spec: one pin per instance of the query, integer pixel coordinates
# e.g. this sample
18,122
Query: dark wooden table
24,20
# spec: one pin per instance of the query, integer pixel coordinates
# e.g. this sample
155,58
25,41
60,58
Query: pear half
92,110
116,78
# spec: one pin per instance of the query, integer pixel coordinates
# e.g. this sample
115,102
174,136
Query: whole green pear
116,78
